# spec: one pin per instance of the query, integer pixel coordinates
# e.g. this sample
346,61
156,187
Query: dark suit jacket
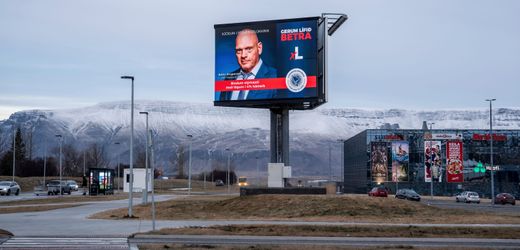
264,72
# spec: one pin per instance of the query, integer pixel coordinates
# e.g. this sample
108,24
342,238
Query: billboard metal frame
291,103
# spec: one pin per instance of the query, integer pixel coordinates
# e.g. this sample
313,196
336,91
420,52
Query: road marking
65,243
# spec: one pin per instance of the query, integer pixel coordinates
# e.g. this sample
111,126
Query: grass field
344,208
348,231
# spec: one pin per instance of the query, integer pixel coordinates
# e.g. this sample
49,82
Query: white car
468,197
9,187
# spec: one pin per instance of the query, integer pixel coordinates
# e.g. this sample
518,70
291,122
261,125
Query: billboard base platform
287,190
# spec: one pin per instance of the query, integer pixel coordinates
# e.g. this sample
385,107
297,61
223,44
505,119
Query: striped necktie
241,95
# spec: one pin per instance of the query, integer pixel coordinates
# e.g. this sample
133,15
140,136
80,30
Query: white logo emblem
296,80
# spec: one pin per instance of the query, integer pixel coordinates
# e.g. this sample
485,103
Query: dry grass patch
310,208
347,231
285,247
10,210
65,199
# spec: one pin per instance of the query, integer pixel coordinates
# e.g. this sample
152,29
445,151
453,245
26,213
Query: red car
378,192
505,198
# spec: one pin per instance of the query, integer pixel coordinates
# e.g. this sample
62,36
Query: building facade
456,160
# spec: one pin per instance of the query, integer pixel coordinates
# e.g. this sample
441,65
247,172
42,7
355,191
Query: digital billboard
262,64
432,161
454,161
400,159
379,161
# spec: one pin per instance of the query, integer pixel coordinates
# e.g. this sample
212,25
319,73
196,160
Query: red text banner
258,84
454,161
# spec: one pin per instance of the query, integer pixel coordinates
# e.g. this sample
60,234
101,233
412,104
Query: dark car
505,198
378,192
408,194
219,183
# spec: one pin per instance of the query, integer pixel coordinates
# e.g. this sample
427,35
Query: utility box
139,180
277,172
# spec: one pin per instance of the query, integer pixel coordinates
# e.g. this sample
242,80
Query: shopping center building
456,160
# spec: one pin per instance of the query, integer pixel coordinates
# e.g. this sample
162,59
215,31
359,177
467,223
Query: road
482,207
63,226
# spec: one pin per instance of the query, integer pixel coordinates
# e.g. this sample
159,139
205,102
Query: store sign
486,137
442,136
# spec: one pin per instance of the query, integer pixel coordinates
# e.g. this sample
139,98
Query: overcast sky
390,54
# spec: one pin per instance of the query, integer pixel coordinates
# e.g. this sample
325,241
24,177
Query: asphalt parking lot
484,206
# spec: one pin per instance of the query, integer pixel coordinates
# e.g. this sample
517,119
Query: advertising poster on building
379,161
454,161
432,161
400,159
266,60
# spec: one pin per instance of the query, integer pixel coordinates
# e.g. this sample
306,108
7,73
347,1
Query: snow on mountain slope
245,131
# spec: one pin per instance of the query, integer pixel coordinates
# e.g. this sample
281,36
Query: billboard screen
379,161
432,161
454,161
259,64
400,159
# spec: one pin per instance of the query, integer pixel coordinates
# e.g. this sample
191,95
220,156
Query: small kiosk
101,181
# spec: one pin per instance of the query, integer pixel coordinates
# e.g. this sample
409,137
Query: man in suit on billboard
247,51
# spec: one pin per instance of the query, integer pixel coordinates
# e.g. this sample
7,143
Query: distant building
371,158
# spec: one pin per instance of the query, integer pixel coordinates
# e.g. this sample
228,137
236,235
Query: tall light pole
491,149
342,178
14,150
60,138
145,198
257,172
118,167
330,164
431,163
227,174
131,188
152,163
189,166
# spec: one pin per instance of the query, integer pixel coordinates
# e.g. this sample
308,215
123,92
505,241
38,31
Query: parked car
378,192
73,185
468,197
54,186
9,187
505,198
408,194
219,183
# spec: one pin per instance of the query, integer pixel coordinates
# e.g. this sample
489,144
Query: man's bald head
247,49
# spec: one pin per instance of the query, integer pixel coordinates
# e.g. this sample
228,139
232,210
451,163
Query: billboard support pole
280,136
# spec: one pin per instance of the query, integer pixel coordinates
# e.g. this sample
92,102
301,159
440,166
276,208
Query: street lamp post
145,198
491,149
330,164
118,167
131,188
257,172
14,150
342,178
431,163
189,166
152,165
61,142
227,174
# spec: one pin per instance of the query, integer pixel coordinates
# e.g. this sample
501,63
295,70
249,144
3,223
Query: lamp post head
58,136
117,143
127,77
143,113
190,136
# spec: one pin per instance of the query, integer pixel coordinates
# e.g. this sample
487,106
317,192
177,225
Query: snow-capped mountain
244,131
